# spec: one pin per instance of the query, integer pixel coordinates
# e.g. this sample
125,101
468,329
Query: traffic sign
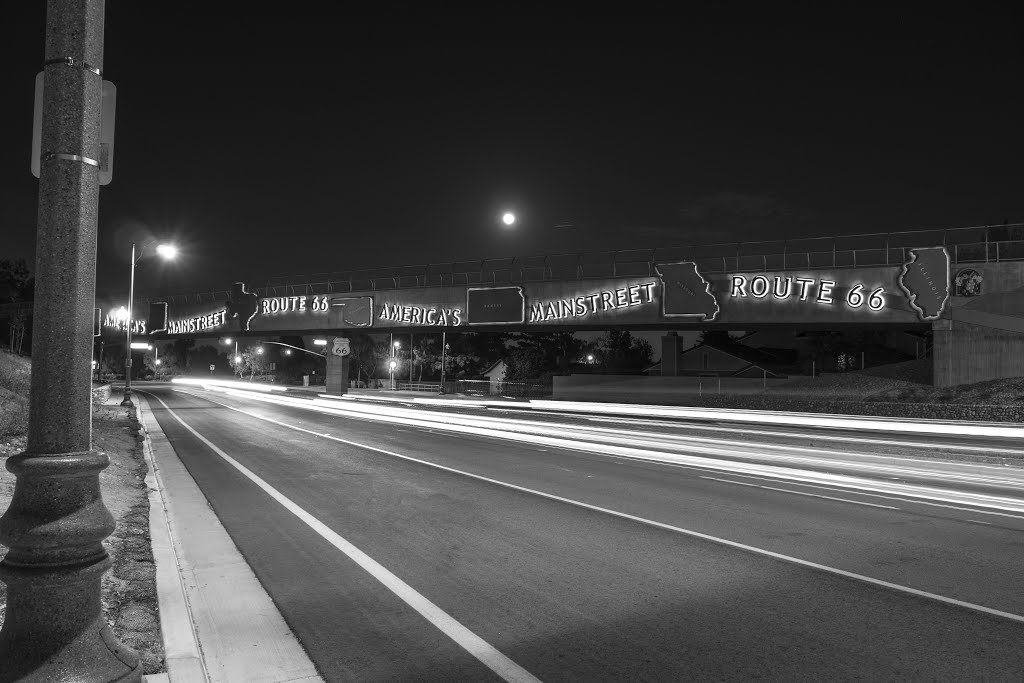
106,160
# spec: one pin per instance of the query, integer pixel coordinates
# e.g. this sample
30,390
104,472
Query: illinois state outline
684,291
925,279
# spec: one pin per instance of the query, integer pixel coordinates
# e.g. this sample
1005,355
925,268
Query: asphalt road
580,565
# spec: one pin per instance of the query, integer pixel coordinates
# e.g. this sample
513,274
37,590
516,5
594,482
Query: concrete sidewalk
218,623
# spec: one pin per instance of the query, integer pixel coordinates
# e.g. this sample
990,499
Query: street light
166,251
508,218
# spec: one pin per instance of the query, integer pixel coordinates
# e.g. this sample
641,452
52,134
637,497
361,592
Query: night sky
267,145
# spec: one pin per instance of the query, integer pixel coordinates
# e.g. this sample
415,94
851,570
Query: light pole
235,356
395,345
166,251
444,348
54,628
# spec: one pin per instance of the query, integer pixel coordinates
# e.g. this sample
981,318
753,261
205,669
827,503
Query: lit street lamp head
508,218
167,251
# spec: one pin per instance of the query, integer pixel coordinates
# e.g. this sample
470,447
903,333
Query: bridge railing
981,244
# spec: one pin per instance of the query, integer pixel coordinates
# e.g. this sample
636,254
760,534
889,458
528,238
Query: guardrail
980,244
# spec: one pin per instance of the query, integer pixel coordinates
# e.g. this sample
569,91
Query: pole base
127,401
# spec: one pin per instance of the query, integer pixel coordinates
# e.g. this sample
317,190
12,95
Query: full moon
508,218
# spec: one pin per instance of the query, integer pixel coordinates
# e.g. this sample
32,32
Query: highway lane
569,592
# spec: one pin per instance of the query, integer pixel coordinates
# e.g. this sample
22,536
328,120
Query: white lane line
486,653
661,525
801,493
978,521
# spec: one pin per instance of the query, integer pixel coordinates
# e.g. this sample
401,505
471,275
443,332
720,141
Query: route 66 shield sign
341,347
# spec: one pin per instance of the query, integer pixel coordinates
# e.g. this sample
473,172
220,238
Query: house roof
493,366
760,359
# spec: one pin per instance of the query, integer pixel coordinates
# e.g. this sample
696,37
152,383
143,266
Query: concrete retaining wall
101,393
965,353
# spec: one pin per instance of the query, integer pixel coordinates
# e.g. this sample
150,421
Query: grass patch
15,378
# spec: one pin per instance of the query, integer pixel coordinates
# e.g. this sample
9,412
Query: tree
18,323
256,361
424,354
15,282
526,362
620,351
238,365
181,349
716,338
202,357
368,355
169,366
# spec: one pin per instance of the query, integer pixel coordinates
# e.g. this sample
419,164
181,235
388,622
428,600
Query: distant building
731,359
495,374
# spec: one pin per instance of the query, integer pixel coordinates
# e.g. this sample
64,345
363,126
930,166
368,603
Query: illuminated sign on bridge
679,294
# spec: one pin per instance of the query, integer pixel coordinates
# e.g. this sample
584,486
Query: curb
219,623
182,655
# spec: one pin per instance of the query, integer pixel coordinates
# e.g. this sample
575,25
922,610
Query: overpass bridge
965,284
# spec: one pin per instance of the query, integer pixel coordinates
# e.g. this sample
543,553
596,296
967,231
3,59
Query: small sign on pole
106,160
211,368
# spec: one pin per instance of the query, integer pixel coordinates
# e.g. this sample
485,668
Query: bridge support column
963,353
337,374
670,354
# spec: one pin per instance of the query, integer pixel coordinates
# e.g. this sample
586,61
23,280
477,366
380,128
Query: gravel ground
129,588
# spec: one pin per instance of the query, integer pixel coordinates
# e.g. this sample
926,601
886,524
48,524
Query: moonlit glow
508,218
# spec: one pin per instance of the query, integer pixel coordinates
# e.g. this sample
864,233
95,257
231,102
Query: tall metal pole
127,401
410,358
54,528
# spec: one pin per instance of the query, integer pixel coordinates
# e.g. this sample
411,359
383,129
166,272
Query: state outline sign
688,291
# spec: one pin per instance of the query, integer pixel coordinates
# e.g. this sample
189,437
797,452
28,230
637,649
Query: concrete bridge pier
337,374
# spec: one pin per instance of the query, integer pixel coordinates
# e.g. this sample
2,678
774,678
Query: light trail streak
917,426
642,520
874,441
557,437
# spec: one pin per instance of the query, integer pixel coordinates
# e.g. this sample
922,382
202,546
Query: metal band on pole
71,61
71,157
